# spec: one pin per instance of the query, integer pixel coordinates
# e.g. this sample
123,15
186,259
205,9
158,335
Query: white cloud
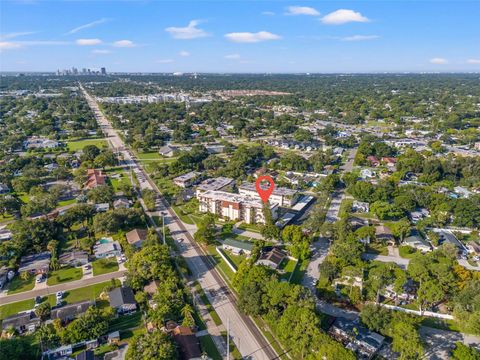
124,44
268,13
249,37
101,51
438,61
7,45
302,10
16,34
165,61
184,53
343,16
360,37
86,26
232,56
191,31
473,61
88,42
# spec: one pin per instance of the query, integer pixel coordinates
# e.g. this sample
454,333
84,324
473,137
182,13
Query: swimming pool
104,241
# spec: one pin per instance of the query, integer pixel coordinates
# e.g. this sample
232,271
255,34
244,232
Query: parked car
59,295
38,299
40,278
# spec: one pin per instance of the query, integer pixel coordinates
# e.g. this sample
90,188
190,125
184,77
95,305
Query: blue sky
240,36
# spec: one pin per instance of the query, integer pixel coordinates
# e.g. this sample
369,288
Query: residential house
419,214
106,248
272,258
367,174
94,178
3,276
373,161
22,322
151,288
188,343
389,162
122,300
5,234
238,247
360,206
4,189
384,234
102,207
36,263
113,337
359,339
167,151
136,237
37,142
473,248
121,203
85,355
186,180
416,241
462,192
69,312
62,352
74,258
407,295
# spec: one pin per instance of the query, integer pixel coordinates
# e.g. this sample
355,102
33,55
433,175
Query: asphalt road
247,337
26,295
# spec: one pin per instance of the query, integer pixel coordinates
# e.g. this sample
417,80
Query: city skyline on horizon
234,37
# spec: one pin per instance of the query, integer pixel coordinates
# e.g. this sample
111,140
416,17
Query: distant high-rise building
103,71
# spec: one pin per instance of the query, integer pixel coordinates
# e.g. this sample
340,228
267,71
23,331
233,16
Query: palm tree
187,313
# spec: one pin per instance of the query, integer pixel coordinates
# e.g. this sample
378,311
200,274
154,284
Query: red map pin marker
264,193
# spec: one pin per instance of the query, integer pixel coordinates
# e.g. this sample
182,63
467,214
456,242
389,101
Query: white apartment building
280,196
235,207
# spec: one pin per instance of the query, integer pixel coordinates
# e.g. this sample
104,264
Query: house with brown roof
151,288
94,178
136,237
188,344
373,160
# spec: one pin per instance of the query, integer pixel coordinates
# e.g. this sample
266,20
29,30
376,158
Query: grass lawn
288,266
122,179
76,145
208,346
235,259
11,309
299,271
440,324
182,215
167,188
407,252
66,202
64,275
211,310
86,293
220,264
234,353
126,322
249,227
377,248
18,285
153,155
104,266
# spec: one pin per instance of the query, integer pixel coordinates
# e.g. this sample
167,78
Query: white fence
227,260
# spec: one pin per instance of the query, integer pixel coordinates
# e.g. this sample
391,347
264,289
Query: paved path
247,233
26,295
403,263
247,337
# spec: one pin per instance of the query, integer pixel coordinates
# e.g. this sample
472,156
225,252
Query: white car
39,278
59,295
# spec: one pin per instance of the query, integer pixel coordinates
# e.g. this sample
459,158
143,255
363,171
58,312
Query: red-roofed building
373,160
389,161
94,178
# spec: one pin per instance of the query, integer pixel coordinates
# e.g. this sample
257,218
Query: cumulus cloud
302,10
343,16
473,61
438,61
360,37
88,42
250,37
232,56
124,44
191,31
101,51
86,26
184,53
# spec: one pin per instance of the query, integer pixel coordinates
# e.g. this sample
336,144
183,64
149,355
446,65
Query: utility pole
228,338
163,229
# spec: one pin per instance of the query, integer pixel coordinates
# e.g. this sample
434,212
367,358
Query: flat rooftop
214,184
279,191
234,198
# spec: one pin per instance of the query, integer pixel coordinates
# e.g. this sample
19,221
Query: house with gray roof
122,299
22,322
238,247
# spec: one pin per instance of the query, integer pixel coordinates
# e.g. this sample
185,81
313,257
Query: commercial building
214,184
186,180
237,207
280,196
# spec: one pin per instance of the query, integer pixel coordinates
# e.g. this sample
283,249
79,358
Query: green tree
156,345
